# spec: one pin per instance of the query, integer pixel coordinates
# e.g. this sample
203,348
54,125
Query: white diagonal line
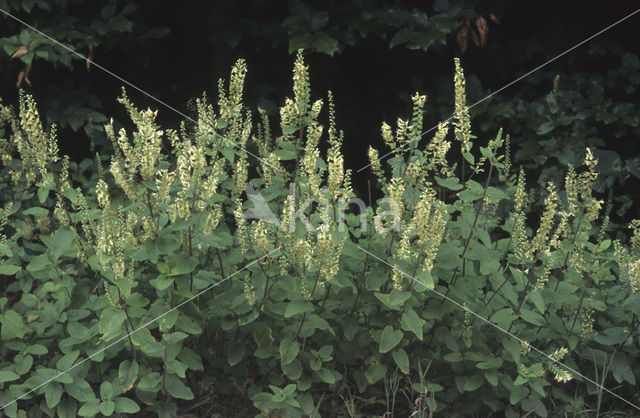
510,84
503,330
135,87
138,329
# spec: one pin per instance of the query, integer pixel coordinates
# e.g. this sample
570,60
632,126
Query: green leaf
375,372
89,409
517,393
37,349
325,44
296,307
147,342
451,183
351,250
469,195
604,245
306,403
174,337
315,364
375,279
39,262
290,129
42,194
67,408
412,322
229,153
80,294
404,35
288,146
188,325
537,301
161,282
181,264
12,325
4,249
469,157
319,20
326,376
472,383
9,269
545,128
520,380
126,406
496,194
67,360
424,281
503,317
70,194
492,377
106,391
236,352
127,375
52,394
538,386
293,370
393,300
190,358
494,363
486,152
221,123
288,350
454,357
176,367
513,347
8,376
401,359
484,237
530,372
611,336
111,321
23,363
164,244
107,408
149,382
325,352
59,241
320,323
176,388
389,339
621,367
532,317
80,389
76,121
285,155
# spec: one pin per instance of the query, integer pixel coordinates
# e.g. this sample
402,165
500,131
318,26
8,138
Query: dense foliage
165,286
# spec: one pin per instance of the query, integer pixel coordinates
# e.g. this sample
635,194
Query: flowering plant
157,282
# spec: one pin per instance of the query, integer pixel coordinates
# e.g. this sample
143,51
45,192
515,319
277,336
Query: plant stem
575,318
468,240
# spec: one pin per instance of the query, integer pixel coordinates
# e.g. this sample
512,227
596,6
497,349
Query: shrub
157,282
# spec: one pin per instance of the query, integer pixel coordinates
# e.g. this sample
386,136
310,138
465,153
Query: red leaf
20,77
27,70
475,38
483,30
20,52
463,35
